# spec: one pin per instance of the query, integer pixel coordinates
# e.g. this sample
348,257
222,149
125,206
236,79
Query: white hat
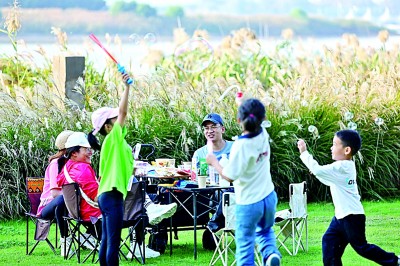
62,138
77,139
100,116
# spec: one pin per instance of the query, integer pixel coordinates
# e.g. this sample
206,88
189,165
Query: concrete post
68,76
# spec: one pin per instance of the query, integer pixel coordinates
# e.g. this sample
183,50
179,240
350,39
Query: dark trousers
111,204
56,208
351,230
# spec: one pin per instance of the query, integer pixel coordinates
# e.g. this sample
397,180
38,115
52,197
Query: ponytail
93,141
61,162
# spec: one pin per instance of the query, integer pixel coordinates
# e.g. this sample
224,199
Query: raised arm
123,104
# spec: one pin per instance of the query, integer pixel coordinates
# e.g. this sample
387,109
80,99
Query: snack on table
171,172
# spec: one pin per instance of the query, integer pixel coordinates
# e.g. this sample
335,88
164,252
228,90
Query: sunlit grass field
383,219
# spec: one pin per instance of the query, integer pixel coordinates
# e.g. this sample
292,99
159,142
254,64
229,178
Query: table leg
170,225
195,224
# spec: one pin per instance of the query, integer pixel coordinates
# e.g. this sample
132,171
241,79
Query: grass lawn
383,224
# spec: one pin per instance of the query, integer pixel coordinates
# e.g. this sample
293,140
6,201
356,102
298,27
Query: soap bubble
312,129
352,125
150,38
379,121
134,38
250,48
348,116
194,55
266,124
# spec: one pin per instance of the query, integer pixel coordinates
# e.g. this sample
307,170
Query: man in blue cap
213,129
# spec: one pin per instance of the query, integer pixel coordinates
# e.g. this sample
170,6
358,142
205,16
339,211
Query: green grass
381,229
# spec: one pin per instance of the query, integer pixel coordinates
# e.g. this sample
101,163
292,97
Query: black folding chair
142,152
136,220
72,198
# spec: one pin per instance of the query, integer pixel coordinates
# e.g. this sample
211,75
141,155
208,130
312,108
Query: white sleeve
238,162
324,173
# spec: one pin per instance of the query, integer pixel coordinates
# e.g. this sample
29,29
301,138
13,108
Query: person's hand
301,144
126,78
125,75
211,159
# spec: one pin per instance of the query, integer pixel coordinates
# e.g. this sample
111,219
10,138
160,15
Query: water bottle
211,175
224,162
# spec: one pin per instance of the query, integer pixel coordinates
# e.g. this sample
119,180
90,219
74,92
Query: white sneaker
158,212
65,245
273,260
398,262
148,252
88,241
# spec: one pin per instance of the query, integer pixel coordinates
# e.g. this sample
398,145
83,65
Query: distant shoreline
72,38
37,24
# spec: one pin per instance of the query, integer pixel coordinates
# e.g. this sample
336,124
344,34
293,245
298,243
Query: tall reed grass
310,96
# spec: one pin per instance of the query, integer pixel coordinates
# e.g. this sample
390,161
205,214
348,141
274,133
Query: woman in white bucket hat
52,203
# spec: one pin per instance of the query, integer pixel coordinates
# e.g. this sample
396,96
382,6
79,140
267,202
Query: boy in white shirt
348,224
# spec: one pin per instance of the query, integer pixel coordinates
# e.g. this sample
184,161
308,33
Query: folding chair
294,225
136,220
72,198
141,155
227,238
34,189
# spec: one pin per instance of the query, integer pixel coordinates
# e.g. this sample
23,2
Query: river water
131,55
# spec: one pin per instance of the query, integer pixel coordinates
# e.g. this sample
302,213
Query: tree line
120,6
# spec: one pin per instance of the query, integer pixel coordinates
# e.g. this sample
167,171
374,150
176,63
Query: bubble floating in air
194,55
250,48
312,129
352,125
348,116
266,124
150,38
134,38
379,121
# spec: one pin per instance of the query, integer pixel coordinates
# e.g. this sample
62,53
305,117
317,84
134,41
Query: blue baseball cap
212,117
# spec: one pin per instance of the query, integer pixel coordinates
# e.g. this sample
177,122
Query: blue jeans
254,222
111,204
56,208
351,230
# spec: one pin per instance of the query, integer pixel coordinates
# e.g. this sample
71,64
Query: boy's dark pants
351,230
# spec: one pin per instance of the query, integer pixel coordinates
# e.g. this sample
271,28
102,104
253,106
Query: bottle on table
224,162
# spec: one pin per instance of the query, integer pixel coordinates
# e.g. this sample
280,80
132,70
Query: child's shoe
273,260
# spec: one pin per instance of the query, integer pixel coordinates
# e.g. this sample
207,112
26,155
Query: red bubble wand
120,68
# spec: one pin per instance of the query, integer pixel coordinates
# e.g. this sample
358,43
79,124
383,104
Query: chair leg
218,253
27,234
293,238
